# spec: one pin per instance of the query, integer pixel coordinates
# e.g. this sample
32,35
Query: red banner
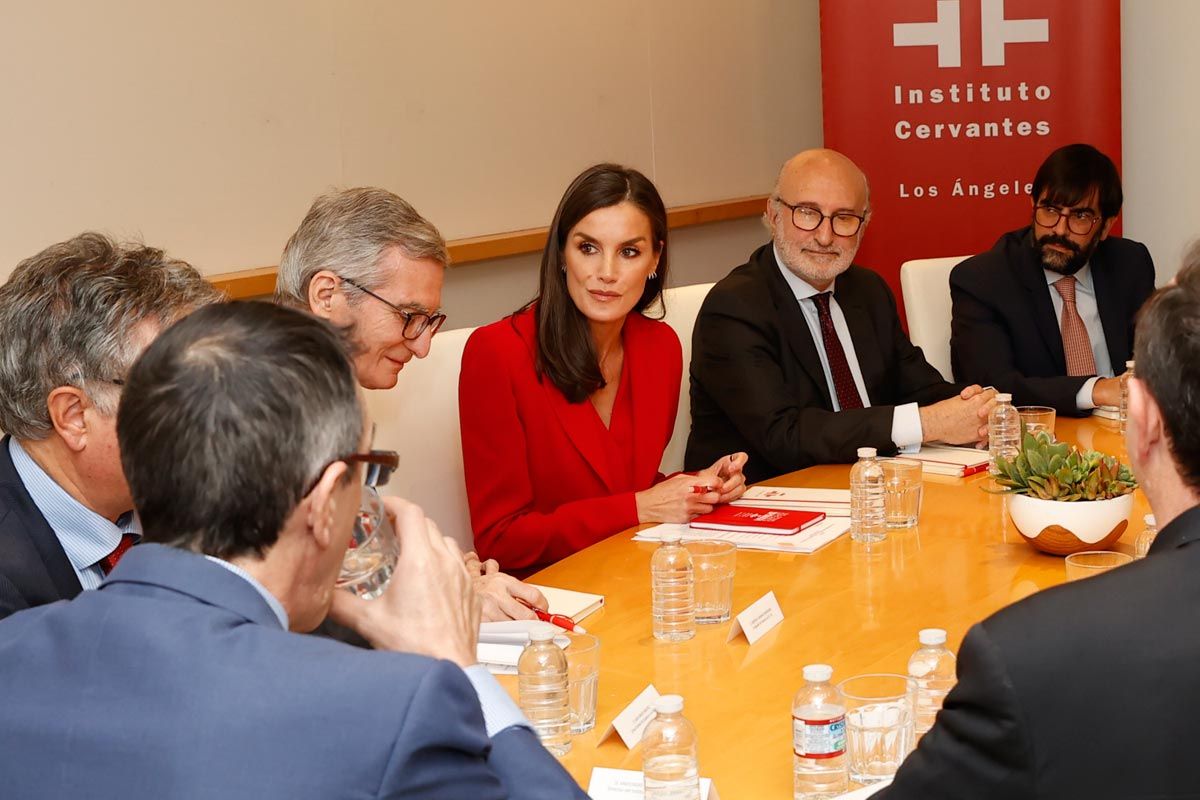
950,106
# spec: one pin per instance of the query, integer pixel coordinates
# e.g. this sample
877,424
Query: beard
1063,263
813,263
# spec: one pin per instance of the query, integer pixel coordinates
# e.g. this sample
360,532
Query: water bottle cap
818,673
1003,397
543,632
866,452
932,637
668,704
1149,520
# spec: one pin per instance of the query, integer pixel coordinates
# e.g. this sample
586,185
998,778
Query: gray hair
348,232
245,404
68,313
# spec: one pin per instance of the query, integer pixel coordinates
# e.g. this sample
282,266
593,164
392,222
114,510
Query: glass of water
1037,418
373,550
583,674
713,563
901,492
880,712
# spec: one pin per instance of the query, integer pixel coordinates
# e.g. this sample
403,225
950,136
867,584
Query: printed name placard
626,784
758,618
631,723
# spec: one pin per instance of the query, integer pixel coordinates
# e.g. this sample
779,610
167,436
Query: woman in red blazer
567,405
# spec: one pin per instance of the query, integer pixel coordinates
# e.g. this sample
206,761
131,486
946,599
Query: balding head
831,192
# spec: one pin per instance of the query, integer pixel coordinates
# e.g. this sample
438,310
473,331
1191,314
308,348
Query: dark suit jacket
544,477
757,383
1004,333
174,681
34,569
1087,690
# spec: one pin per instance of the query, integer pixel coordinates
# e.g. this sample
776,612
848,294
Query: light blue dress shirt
907,433
86,537
1089,312
272,601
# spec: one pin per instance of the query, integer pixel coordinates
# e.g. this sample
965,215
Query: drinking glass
880,711
1036,418
901,492
713,563
583,673
1093,562
371,557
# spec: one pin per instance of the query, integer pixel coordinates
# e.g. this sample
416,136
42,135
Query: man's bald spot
828,159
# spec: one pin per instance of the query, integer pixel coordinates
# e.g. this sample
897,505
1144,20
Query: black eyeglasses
380,465
415,322
1080,221
807,218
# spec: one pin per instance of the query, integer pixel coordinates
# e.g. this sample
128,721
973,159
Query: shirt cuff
499,710
1083,399
907,434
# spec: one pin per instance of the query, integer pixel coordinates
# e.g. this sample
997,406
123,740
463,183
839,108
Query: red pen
564,622
701,489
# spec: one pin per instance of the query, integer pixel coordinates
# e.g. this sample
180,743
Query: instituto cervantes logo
946,33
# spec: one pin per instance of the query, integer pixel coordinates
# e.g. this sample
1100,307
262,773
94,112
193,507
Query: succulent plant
1057,471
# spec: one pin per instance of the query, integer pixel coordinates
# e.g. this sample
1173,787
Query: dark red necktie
839,368
109,561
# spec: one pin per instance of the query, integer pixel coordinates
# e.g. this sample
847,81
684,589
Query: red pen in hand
701,489
564,622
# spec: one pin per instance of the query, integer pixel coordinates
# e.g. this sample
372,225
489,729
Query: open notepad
501,643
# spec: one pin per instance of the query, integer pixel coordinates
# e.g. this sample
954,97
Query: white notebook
575,605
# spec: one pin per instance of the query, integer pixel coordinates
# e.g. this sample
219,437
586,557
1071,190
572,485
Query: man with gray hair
366,261
74,317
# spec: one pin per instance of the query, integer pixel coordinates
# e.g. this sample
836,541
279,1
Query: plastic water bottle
1146,537
866,498
933,668
669,767
818,737
542,689
1004,430
1125,395
673,586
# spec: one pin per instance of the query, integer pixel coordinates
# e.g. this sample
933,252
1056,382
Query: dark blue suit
34,570
175,680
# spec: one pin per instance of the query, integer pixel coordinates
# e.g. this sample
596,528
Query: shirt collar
86,537
272,601
1083,277
802,289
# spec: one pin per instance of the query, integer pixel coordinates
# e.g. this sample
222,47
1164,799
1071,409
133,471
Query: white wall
1161,126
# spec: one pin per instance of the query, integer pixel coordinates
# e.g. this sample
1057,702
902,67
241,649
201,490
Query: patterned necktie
109,561
839,368
1077,347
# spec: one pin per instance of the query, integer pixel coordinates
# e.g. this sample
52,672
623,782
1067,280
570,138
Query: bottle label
819,738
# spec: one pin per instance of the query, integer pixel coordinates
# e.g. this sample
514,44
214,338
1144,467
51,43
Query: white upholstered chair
419,419
682,305
925,283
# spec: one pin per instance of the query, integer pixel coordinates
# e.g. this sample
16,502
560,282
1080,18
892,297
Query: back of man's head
228,419
1167,352
68,315
348,231
1069,174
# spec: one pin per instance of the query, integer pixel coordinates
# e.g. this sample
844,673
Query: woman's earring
652,275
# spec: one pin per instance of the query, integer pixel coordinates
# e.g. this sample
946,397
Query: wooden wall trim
261,281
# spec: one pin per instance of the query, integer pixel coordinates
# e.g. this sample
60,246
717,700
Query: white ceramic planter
1062,528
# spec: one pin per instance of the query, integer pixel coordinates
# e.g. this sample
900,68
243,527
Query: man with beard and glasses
1048,312
798,357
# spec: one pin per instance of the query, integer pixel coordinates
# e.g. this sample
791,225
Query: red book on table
748,519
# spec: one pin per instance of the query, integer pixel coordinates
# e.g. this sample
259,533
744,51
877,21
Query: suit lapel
791,321
1116,329
1033,278
862,334
645,379
580,422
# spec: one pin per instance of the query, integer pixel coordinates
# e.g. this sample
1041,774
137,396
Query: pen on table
564,622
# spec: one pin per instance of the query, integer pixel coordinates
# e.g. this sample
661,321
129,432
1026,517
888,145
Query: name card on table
758,618
626,784
631,723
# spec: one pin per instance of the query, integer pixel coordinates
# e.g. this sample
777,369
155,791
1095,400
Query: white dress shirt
907,434
1089,312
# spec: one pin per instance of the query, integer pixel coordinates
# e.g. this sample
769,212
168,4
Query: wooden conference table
854,607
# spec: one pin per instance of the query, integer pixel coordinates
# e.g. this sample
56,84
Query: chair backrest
419,418
683,305
925,283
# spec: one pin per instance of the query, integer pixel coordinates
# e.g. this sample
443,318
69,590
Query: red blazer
544,477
